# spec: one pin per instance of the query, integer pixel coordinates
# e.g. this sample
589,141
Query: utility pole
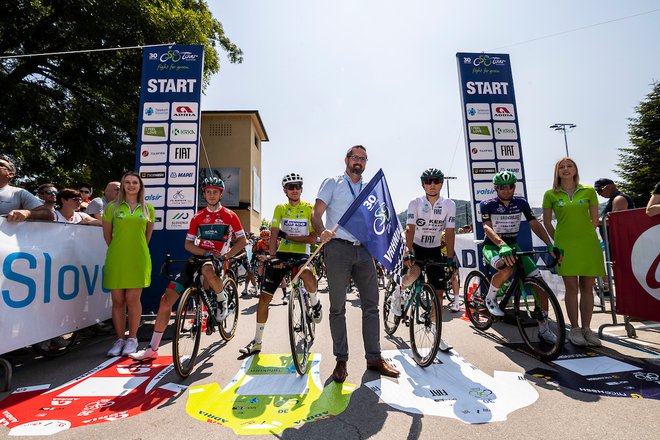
563,127
448,178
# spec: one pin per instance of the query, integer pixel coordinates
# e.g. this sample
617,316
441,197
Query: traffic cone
465,317
205,318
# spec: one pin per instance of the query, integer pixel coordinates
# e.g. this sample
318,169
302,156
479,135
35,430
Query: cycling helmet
504,178
264,233
292,178
431,173
213,182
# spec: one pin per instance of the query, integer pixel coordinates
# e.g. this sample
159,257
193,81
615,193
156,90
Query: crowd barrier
51,281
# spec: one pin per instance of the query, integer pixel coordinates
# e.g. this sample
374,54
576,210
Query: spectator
97,205
653,207
69,201
86,191
127,225
48,193
576,208
11,197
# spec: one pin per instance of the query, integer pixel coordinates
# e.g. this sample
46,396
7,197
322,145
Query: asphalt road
559,412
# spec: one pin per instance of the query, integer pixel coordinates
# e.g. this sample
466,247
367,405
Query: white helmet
292,178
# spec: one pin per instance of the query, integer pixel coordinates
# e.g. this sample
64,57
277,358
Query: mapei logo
175,175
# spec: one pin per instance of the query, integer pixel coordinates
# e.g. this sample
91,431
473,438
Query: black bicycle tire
60,351
390,328
471,304
556,349
295,298
426,291
181,316
228,332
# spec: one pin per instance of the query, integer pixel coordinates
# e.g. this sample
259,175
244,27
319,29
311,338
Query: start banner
635,248
51,282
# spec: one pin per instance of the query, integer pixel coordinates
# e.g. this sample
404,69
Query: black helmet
213,182
431,173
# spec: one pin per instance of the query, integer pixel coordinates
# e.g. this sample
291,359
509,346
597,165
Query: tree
639,164
73,117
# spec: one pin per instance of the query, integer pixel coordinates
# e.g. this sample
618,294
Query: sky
325,75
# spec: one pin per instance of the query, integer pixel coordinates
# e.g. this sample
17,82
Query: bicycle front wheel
543,331
298,332
187,332
228,326
425,326
390,320
474,296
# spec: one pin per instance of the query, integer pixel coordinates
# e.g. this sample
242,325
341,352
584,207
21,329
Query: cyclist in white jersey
428,216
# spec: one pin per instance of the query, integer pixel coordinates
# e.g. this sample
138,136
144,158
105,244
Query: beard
357,169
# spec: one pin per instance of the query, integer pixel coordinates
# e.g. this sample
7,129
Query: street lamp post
448,178
563,127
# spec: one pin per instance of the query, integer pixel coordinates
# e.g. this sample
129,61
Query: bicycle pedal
210,329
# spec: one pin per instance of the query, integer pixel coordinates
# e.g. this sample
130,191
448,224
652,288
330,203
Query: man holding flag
350,205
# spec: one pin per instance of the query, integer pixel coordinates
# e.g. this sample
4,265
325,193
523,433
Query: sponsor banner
153,174
452,387
156,111
154,195
182,175
482,151
171,93
478,112
486,81
46,273
483,191
181,196
153,153
178,219
114,390
267,396
158,221
183,153
635,250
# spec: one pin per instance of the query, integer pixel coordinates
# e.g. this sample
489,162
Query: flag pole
318,249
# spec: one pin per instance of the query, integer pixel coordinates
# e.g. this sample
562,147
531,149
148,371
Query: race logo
507,150
156,111
182,132
181,175
504,130
155,196
183,153
483,170
480,131
153,174
178,219
503,112
183,197
645,261
185,111
153,153
382,221
477,112
154,132
176,56
482,151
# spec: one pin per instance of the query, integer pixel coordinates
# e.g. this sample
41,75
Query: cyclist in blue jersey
501,217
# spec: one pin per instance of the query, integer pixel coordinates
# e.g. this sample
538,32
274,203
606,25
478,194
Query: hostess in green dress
575,233
127,262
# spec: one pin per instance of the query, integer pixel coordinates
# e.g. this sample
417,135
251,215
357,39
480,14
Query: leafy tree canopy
73,118
639,164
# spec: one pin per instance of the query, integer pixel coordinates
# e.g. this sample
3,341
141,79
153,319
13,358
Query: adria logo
183,109
645,261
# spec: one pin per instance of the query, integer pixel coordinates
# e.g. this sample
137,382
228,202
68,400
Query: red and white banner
114,390
635,247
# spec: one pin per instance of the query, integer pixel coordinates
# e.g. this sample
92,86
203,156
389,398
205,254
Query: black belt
352,243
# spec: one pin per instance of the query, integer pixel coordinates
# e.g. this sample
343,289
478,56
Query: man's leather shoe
340,372
383,368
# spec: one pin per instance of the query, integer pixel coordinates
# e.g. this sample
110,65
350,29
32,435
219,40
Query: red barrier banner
635,248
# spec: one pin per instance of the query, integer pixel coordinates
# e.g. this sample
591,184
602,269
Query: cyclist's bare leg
309,280
501,276
134,307
586,300
413,273
165,310
571,287
262,307
212,278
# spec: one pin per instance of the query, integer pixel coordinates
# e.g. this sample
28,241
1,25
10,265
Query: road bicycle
421,313
197,313
301,325
529,310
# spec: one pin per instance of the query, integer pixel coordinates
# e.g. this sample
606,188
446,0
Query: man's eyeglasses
49,192
507,187
293,186
362,159
433,181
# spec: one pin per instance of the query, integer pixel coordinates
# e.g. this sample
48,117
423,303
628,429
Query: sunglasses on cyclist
293,187
507,187
49,192
433,181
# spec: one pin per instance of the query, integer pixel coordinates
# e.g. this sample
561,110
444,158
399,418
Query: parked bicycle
197,312
534,304
421,313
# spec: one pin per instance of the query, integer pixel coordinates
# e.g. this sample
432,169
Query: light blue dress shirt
336,193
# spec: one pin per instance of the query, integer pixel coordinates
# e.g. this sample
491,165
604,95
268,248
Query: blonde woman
576,208
127,226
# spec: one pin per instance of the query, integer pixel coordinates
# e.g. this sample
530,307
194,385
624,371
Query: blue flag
372,219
